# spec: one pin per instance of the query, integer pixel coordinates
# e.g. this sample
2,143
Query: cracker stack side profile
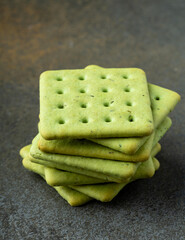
99,130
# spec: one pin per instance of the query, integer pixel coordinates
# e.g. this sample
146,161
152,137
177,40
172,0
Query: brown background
39,35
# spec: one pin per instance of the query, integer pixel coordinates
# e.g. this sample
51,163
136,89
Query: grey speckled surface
41,35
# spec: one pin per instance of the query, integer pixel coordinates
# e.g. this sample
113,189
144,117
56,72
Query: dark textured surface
41,35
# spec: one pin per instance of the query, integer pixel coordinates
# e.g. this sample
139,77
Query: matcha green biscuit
78,195
86,148
94,103
73,197
106,192
55,177
99,130
25,151
163,102
83,147
116,171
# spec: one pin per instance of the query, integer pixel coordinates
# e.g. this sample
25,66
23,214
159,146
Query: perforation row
104,90
81,78
105,104
106,119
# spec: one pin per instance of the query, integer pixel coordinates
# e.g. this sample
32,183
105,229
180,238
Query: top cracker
94,103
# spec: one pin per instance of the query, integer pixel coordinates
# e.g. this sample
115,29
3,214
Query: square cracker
79,195
83,147
86,148
73,197
106,192
56,177
94,103
115,171
163,102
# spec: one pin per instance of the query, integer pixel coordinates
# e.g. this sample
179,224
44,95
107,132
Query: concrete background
39,35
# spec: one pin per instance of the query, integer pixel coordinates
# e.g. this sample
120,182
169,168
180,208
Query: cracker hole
106,104
131,118
129,104
107,119
127,89
82,91
104,90
59,92
81,78
157,98
125,76
84,120
61,121
60,106
59,79
103,77
83,105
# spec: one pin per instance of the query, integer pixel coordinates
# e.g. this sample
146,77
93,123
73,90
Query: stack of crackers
99,130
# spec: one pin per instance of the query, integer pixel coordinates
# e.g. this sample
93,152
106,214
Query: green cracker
25,151
162,129
55,177
94,103
115,171
163,102
102,192
73,197
106,192
83,147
